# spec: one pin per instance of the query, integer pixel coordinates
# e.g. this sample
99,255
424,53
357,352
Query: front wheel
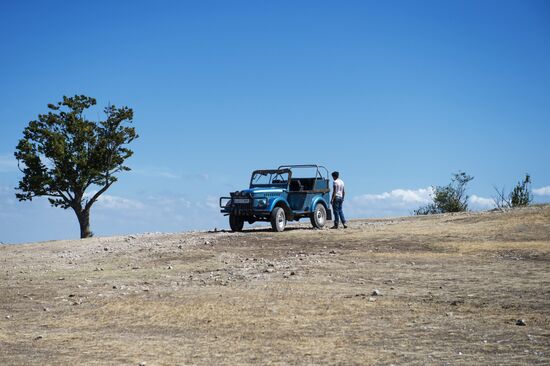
319,216
278,219
236,223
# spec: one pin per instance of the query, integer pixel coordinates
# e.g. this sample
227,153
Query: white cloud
396,197
106,201
401,202
397,202
167,202
481,202
110,202
542,191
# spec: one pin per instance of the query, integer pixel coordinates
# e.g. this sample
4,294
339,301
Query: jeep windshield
270,178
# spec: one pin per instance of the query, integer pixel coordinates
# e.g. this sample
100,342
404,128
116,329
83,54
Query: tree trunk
84,221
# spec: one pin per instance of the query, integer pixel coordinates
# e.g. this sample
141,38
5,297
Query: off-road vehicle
290,192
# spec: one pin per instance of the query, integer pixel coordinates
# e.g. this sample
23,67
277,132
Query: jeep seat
295,185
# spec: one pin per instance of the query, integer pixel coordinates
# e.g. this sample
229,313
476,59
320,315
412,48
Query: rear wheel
319,216
278,219
236,223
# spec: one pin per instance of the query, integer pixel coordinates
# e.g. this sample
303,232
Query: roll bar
318,167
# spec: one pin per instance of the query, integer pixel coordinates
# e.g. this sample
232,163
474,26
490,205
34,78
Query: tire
319,216
278,219
236,223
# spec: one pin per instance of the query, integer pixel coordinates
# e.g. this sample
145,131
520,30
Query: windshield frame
273,173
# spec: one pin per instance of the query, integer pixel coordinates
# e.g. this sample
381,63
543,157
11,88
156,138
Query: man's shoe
334,227
345,226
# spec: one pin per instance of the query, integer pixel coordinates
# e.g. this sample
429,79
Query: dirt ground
442,290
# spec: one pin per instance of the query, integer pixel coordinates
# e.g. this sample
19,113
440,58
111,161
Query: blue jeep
290,192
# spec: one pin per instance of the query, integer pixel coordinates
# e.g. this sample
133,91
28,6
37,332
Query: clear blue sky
396,95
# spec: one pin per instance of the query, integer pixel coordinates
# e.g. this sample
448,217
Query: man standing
338,194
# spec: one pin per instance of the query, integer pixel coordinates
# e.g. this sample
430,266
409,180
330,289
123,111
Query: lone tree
520,196
63,154
449,198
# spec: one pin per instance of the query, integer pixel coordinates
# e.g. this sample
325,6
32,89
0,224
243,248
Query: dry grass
452,289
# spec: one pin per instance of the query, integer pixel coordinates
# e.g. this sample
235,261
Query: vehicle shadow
270,230
266,230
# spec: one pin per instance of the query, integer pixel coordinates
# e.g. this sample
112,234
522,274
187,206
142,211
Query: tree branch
500,200
96,196
65,197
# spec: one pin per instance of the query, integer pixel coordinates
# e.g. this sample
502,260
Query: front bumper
244,207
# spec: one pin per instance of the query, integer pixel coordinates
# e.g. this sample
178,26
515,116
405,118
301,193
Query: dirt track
451,291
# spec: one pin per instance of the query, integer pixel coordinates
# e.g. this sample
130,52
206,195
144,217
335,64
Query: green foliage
449,198
521,194
63,154
519,197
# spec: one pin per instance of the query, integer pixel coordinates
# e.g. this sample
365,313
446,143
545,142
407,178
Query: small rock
269,270
206,242
114,287
61,279
449,314
332,252
169,267
8,316
38,337
457,302
376,292
372,299
292,273
106,249
180,246
142,364
46,309
521,322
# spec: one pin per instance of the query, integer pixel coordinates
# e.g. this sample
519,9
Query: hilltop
442,289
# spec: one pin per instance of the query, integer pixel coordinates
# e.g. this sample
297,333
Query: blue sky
396,95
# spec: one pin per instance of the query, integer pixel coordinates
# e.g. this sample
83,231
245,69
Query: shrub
449,198
520,196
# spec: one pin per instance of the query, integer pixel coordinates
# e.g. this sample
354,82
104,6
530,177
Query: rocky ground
470,288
